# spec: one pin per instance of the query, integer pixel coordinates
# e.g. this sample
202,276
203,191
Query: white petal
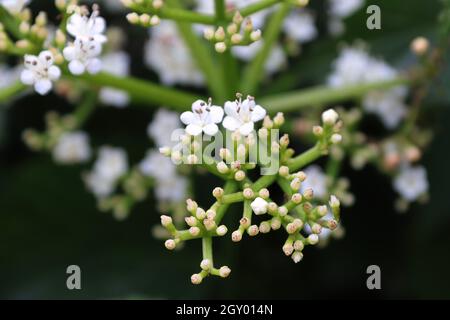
99,25
258,113
211,129
69,53
247,128
231,123
94,66
194,129
187,117
27,77
216,114
76,67
43,86
54,73
230,108
46,58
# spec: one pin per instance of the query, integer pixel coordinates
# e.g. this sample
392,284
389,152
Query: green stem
86,108
321,95
176,14
305,158
11,24
140,90
202,56
232,198
263,182
9,92
255,71
220,10
207,249
256,7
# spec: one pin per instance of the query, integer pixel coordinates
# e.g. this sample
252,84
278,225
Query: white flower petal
246,128
231,123
69,53
27,77
94,66
216,114
231,108
258,113
76,67
211,129
194,129
43,86
187,117
54,73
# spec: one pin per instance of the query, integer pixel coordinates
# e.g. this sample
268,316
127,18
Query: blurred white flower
157,166
111,164
411,182
276,60
242,115
344,8
72,147
316,179
14,6
82,56
164,123
203,118
111,5
167,55
355,66
172,190
300,25
87,27
118,64
8,75
40,72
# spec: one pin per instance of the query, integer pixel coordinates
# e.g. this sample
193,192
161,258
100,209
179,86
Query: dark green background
48,220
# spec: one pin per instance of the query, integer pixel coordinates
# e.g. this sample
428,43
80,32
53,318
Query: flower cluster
299,215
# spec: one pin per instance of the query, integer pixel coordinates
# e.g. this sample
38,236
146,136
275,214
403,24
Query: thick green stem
305,158
11,24
255,71
230,186
207,249
176,14
141,91
322,95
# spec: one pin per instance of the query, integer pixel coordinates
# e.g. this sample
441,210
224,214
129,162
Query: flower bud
253,230
194,231
259,206
316,228
236,236
221,230
336,138
196,278
224,271
278,120
308,194
296,198
239,176
191,205
298,245
236,38
208,33
166,221
282,211
297,256
318,131
283,171
211,214
220,47
272,207
248,193
275,223
288,249
200,214
205,264
264,227
220,34
218,193
170,244
330,117
295,184
264,193
420,46
209,224
313,239
334,202
255,35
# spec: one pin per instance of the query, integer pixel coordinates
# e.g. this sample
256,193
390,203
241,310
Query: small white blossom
259,206
87,27
72,147
40,72
172,190
83,56
118,64
9,75
157,166
100,186
316,180
344,8
167,54
164,123
203,118
299,26
14,6
411,182
112,162
242,115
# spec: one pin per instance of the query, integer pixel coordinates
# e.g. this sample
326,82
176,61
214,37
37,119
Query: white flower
40,72
157,166
276,60
14,6
172,190
164,123
9,75
411,182
316,179
82,56
112,163
167,54
116,63
259,206
72,147
344,8
330,117
87,27
299,25
242,115
203,118
355,66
